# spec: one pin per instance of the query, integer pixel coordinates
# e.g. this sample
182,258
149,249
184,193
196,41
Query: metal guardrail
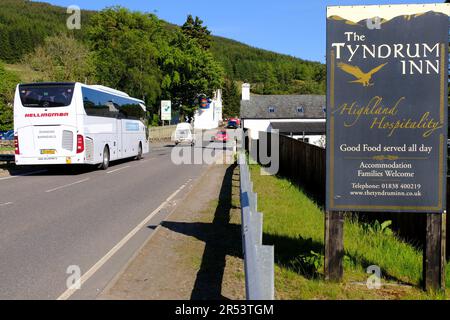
258,258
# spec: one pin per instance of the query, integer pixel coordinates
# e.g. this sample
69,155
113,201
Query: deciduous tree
8,82
62,58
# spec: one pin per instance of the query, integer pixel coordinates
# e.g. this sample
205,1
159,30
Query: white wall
256,125
245,91
317,140
218,104
209,118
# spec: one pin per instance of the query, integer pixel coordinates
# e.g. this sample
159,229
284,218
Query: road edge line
119,274
122,270
87,275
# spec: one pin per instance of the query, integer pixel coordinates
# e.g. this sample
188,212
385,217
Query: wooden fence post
334,245
434,253
443,249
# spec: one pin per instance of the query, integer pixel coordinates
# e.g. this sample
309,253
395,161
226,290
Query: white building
299,116
210,117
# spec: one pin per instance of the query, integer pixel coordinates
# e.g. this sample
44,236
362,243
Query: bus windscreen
46,96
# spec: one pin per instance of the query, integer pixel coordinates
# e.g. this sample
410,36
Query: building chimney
246,91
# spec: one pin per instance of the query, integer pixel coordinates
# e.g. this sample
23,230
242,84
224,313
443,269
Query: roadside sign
204,103
166,110
387,108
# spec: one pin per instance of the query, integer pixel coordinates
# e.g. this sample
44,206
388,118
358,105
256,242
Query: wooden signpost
434,253
387,122
334,245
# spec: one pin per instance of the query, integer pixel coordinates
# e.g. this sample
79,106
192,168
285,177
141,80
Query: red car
221,136
237,120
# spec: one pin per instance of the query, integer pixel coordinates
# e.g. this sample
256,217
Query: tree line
146,56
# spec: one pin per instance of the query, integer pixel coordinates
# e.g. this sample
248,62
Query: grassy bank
25,73
295,225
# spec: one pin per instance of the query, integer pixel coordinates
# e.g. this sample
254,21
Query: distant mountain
25,24
405,17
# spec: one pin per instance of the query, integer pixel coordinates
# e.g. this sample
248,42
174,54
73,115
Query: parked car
221,136
237,120
184,134
232,124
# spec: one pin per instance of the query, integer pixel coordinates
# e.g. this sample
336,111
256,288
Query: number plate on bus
48,151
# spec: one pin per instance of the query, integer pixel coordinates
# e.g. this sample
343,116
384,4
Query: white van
183,133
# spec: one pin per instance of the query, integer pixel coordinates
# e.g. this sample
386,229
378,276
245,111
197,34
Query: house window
324,109
271,109
300,109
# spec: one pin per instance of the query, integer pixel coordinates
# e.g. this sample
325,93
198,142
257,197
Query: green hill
25,24
269,72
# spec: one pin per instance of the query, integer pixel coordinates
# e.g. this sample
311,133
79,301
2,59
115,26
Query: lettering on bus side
42,115
131,126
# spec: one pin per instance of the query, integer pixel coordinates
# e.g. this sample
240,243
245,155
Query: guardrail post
266,263
258,259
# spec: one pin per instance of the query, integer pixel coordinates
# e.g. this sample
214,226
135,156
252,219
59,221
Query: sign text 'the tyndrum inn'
387,107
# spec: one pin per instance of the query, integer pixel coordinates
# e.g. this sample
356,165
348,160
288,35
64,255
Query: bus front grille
67,140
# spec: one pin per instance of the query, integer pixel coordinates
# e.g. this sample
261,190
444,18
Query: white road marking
5,204
67,185
115,170
146,160
23,174
69,292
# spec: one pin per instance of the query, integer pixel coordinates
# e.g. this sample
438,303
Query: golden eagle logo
361,77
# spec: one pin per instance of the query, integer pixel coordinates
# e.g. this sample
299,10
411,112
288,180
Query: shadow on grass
305,257
410,229
221,239
296,254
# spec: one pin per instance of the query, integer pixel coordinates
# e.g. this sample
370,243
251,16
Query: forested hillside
269,72
144,55
25,24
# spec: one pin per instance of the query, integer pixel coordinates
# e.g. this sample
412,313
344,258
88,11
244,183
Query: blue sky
294,27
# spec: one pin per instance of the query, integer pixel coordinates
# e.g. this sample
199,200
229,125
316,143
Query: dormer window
271,109
300,109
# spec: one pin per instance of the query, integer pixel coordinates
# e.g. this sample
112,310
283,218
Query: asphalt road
53,219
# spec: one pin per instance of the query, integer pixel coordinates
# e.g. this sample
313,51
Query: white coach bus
73,123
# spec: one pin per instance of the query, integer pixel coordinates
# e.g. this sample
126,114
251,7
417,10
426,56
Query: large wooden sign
387,108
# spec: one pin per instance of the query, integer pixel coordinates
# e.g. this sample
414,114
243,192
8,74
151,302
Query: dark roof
299,127
285,107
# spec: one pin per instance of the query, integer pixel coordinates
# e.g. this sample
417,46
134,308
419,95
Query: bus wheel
105,164
139,155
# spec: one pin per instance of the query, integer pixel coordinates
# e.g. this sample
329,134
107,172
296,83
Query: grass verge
294,224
